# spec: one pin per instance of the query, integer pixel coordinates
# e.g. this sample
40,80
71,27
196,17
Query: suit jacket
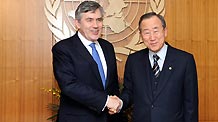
83,96
176,98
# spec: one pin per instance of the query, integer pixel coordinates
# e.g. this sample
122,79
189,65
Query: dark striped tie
156,68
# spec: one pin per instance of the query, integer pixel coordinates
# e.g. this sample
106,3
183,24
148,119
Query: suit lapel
107,58
81,49
147,78
166,72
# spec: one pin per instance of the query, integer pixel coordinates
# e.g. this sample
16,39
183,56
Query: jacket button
152,106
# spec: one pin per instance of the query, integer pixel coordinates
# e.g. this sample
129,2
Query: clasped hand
114,104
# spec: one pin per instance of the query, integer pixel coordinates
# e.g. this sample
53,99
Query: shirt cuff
106,103
120,106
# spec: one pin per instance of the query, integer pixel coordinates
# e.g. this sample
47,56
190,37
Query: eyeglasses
154,32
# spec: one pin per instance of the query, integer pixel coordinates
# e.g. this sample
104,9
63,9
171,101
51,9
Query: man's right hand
114,104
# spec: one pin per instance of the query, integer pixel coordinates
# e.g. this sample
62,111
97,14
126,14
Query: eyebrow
148,29
155,28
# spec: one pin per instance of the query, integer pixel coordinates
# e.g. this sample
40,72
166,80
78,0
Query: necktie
97,59
156,68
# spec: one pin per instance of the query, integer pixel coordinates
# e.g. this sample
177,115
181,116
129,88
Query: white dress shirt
86,43
162,54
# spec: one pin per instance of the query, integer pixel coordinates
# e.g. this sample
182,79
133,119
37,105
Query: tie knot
92,45
156,57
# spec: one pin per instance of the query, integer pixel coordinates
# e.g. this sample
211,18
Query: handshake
114,104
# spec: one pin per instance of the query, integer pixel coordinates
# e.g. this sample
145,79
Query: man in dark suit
86,85
164,89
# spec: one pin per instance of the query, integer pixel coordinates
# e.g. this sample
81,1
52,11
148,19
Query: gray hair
151,14
87,6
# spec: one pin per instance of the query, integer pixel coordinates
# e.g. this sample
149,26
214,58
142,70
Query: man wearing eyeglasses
160,82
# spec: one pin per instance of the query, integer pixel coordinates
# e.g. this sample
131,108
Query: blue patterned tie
156,68
97,59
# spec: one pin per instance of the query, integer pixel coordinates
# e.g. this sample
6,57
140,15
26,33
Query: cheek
145,39
146,42
162,38
100,24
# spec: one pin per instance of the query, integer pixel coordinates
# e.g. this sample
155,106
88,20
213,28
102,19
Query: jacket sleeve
191,92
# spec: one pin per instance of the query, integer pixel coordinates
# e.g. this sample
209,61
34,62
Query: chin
154,50
95,38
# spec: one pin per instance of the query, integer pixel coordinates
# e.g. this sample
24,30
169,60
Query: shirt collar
161,53
84,40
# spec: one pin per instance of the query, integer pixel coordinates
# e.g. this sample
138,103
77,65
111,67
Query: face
90,25
153,34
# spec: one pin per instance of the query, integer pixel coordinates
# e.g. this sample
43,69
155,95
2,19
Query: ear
77,24
165,32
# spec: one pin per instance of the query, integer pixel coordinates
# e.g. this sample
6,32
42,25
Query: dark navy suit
176,96
82,94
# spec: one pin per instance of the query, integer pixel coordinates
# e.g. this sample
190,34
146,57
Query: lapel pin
170,68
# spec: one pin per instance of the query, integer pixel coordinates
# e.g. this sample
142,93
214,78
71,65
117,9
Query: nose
95,23
152,36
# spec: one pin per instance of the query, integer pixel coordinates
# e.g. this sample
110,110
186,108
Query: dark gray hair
151,14
87,6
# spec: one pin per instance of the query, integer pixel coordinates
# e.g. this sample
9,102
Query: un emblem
120,21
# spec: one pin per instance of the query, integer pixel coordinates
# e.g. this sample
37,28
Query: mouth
153,43
95,32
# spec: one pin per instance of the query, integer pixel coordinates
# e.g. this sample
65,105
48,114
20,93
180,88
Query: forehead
151,23
92,14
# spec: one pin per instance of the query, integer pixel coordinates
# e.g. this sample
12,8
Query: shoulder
104,42
66,43
178,51
179,54
139,54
